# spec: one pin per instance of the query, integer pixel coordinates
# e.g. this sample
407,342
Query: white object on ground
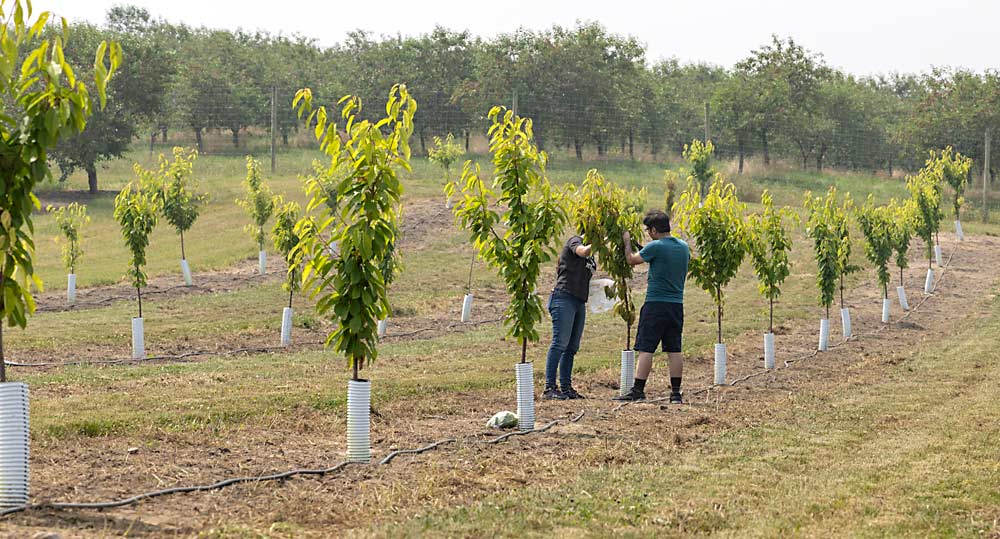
503,420
720,363
769,350
958,230
901,292
71,289
627,372
467,308
15,444
186,271
286,326
383,326
525,375
359,400
886,303
824,334
845,322
937,255
138,339
929,282
262,262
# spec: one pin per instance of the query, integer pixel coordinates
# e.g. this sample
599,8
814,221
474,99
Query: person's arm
631,257
582,251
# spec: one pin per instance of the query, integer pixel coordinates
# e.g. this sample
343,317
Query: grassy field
889,437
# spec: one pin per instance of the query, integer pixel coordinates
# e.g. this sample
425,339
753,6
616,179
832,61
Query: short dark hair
658,220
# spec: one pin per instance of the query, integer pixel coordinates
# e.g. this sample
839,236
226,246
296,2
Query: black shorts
660,322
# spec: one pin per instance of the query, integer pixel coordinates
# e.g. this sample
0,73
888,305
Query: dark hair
658,220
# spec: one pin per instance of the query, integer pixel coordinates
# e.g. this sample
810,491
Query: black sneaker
571,393
552,393
675,398
632,396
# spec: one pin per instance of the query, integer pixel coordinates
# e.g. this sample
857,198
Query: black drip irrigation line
265,478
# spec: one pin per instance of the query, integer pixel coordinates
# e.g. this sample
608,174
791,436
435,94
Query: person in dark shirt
568,308
661,319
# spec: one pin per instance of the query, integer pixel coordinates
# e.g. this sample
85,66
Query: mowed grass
911,453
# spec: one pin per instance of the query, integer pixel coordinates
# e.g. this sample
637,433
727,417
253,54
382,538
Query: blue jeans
568,316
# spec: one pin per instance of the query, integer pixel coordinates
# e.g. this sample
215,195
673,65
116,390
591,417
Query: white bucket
929,282
627,372
886,302
720,363
262,262
937,255
901,292
359,401
769,350
186,270
14,444
845,322
286,326
525,395
383,324
958,230
138,339
467,308
71,289
824,334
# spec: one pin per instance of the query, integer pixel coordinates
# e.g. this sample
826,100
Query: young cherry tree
602,213
259,204
71,219
670,179
445,153
877,227
952,168
43,102
351,287
178,200
845,245
925,199
823,229
135,211
285,241
530,209
902,231
699,155
716,224
769,246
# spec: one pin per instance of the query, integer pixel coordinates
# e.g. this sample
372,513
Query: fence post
706,122
514,108
986,175
274,123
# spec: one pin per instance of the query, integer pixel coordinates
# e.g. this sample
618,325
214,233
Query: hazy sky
862,37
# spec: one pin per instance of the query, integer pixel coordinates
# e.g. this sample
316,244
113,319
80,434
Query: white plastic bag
503,420
598,300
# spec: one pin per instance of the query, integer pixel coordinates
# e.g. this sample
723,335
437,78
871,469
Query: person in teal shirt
661,319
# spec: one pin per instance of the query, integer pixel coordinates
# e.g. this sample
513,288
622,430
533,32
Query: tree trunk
524,350
767,153
720,316
423,142
770,324
236,136
890,165
742,151
138,295
290,292
163,131
284,136
91,178
820,156
197,138
579,149
182,247
152,141
631,144
466,141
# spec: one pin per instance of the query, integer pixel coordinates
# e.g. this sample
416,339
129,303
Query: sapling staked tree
602,213
351,287
877,226
699,155
179,202
71,219
530,208
717,227
769,244
925,198
841,220
902,231
952,168
258,203
136,212
822,228
285,240
670,179
445,153
43,101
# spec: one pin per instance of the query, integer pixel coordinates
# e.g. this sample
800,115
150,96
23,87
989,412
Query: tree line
590,92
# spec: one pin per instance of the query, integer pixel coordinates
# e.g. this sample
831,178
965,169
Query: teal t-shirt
668,266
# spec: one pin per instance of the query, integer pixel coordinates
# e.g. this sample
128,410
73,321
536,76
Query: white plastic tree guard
937,256
14,445
262,262
186,271
383,326
525,374
627,372
886,303
845,322
901,292
138,339
467,308
71,289
720,363
359,400
769,350
824,334
286,326
929,282
958,230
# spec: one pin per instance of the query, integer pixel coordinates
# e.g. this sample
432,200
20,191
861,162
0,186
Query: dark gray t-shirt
573,271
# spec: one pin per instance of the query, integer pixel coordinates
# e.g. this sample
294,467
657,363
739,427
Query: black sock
639,385
675,384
